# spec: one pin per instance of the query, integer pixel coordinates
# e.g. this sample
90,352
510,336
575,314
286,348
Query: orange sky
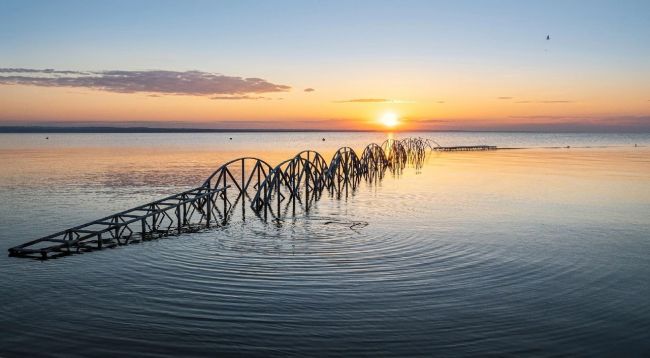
455,108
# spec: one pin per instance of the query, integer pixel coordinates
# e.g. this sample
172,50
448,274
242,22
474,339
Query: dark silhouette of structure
269,191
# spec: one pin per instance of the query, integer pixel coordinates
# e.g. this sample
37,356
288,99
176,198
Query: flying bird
548,37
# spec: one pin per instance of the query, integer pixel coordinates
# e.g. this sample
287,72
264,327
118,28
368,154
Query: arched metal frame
300,180
303,178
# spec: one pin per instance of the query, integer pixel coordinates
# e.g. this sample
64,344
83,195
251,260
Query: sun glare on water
389,119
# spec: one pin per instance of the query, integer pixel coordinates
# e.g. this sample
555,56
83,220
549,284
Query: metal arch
318,162
292,179
416,150
345,170
307,174
396,154
373,161
242,160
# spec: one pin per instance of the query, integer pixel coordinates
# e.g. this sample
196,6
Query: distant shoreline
102,129
106,129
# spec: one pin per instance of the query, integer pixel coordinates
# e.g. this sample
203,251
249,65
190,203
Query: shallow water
533,251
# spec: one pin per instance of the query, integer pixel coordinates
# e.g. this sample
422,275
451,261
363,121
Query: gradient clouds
192,83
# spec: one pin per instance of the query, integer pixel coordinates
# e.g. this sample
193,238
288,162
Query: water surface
538,251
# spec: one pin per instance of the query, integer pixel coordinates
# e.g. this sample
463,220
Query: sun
389,119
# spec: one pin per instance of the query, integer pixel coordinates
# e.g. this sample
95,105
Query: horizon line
12,129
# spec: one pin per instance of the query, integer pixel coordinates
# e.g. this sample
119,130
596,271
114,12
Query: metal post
225,198
179,223
208,206
277,181
243,182
265,202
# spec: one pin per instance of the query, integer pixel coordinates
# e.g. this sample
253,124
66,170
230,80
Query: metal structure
270,191
183,212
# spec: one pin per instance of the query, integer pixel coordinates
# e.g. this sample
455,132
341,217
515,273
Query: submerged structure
270,192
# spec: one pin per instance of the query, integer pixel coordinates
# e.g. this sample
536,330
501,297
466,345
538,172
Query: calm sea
541,251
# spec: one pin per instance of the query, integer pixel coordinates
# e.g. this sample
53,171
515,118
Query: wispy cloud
48,71
238,97
309,89
547,101
372,100
192,83
505,97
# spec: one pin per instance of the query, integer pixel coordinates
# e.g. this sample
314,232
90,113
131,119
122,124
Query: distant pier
465,148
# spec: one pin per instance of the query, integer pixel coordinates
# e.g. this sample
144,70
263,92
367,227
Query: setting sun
389,119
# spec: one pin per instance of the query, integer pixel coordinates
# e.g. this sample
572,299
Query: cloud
372,100
239,97
547,101
192,83
505,97
44,71
309,89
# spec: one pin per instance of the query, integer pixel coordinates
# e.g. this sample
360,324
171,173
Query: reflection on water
536,251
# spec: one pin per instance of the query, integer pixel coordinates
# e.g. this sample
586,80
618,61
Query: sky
362,65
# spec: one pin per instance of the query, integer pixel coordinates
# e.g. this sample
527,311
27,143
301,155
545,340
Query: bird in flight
548,37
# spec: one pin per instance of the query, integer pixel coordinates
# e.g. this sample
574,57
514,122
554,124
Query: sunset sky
434,65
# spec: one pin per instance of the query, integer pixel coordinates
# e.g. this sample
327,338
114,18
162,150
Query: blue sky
338,43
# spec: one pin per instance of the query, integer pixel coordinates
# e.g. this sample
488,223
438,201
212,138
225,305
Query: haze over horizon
366,65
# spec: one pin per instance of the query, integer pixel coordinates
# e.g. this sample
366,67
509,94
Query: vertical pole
264,202
294,188
345,173
277,187
208,206
179,223
307,175
225,198
99,241
117,231
143,228
184,212
243,182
